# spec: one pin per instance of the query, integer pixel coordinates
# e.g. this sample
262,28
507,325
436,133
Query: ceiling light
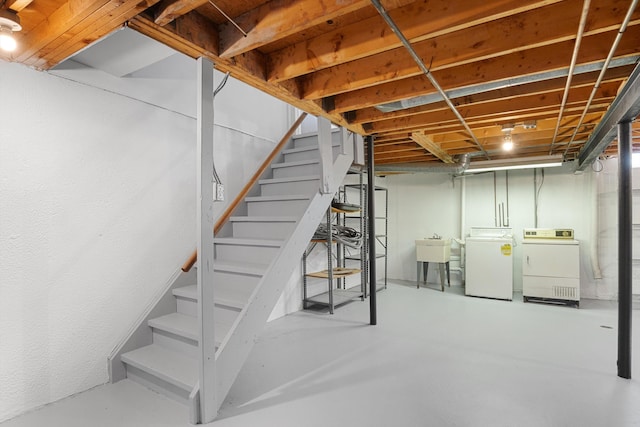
530,124
508,127
507,144
519,163
9,22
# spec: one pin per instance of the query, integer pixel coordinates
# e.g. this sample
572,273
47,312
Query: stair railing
248,186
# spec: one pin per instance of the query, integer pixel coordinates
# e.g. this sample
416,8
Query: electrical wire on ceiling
228,18
216,177
222,84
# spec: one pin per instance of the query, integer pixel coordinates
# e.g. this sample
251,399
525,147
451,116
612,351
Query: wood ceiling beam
186,39
497,109
397,141
109,18
372,114
168,10
68,15
17,5
278,19
417,159
372,36
536,28
519,140
533,61
422,154
567,124
444,128
427,143
396,148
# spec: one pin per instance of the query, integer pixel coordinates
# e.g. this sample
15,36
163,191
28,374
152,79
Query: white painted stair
251,266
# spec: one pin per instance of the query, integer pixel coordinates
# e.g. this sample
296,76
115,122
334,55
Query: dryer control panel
548,233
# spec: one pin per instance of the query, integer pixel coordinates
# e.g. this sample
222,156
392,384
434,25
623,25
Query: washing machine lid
491,232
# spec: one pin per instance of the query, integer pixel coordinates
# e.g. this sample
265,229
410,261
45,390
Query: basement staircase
255,255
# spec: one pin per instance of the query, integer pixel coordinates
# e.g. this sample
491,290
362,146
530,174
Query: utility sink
433,250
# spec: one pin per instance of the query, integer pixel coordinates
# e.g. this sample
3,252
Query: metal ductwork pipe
453,168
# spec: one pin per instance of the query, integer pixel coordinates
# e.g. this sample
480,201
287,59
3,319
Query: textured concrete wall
97,211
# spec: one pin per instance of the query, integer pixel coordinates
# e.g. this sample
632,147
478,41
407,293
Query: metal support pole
330,258
625,245
326,154
204,224
371,232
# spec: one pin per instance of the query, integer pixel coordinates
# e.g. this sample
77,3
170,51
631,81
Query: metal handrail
245,190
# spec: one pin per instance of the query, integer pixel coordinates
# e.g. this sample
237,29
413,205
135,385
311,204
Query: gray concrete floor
434,359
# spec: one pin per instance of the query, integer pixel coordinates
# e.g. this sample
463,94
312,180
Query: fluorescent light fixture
520,163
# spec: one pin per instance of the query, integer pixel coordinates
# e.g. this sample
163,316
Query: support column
204,224
326,153
371,232
625,245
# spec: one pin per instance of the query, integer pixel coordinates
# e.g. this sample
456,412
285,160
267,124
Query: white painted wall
608,229
424,204
97,193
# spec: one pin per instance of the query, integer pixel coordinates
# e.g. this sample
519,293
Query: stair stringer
235,348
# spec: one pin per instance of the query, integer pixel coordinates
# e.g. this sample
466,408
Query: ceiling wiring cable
228,18
222,83
216,177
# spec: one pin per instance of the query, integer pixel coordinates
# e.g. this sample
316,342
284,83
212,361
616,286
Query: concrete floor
434,359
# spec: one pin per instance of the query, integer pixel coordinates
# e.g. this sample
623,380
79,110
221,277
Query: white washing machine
489,263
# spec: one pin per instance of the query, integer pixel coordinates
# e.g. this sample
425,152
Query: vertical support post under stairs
204,224
330,258
625,246
326,153
371,201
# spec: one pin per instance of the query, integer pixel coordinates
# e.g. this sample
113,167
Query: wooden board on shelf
338,273
336,210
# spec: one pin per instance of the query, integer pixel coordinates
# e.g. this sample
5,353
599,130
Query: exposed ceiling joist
427,143
497,61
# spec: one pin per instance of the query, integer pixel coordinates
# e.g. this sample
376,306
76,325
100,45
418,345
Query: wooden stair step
187,292
178,324
272,243
295,163
253,269
290,179
305,148
171,366
283,198
191,292
263,219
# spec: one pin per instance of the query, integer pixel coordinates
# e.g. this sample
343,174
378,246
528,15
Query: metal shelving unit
338,294
381,237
